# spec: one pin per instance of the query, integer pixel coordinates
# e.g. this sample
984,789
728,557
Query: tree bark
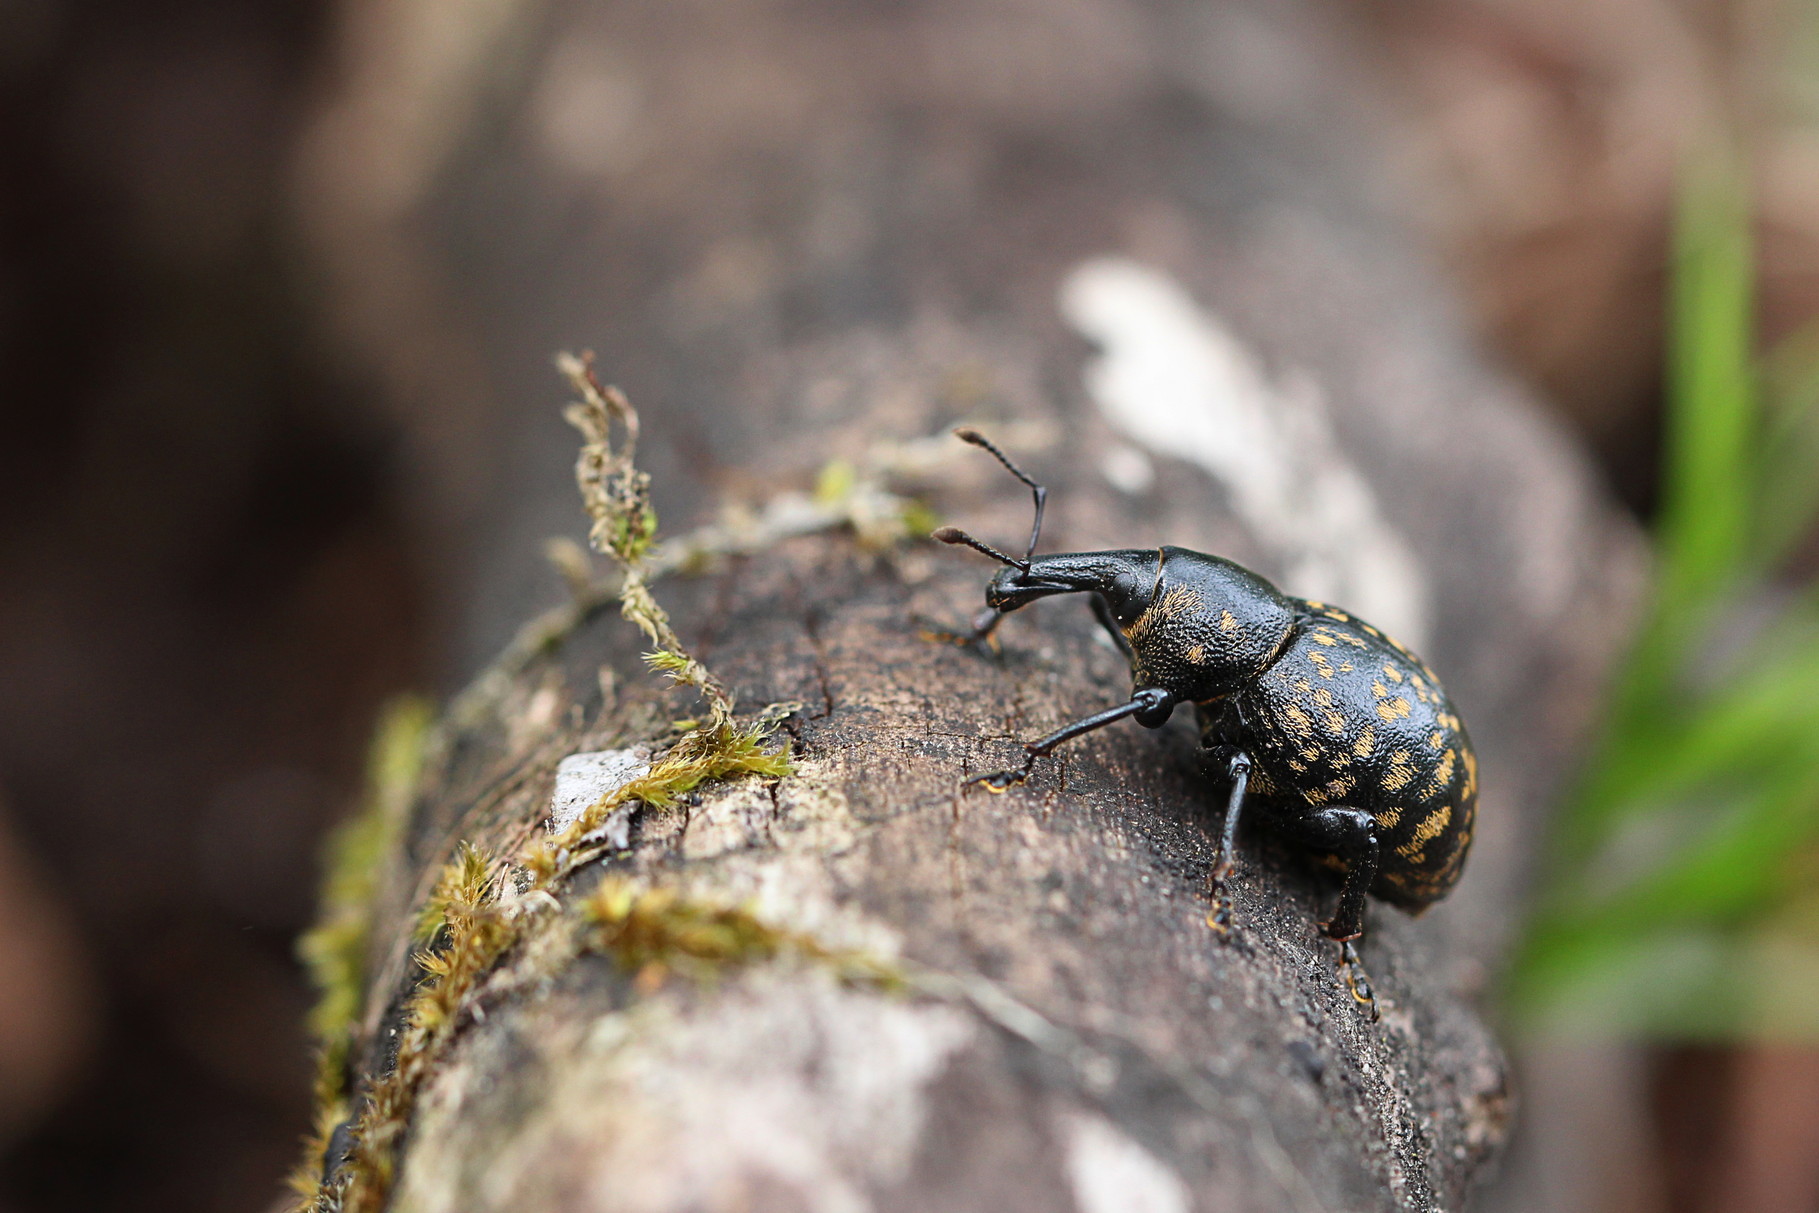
794,232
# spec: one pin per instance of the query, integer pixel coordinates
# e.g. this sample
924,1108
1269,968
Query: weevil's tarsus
1351,968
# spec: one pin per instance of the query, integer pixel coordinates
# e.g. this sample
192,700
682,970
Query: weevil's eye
1128,594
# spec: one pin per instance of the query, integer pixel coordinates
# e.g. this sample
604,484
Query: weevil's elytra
1333,735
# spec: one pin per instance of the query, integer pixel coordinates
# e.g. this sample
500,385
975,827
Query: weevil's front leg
1150,705
1102,611
1219,909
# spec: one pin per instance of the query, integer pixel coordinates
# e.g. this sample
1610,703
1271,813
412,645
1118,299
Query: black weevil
1341,740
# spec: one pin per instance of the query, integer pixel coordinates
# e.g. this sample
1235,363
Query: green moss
334,951
652,932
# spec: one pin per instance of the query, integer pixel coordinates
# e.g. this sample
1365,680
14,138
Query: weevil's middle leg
1352,835
1219,909
1149,704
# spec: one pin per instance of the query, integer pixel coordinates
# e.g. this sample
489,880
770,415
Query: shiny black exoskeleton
1338,738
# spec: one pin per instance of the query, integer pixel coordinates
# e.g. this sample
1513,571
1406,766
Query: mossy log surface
821,226
1076,1031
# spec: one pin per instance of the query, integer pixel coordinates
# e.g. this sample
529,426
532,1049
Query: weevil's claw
1219,915
997,782
1352,970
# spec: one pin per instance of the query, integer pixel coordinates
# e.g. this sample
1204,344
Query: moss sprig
617,497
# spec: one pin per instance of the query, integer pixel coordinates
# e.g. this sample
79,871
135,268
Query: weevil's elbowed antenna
949,534
953,534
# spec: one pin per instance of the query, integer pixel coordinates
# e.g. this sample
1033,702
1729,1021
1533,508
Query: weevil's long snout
1118,575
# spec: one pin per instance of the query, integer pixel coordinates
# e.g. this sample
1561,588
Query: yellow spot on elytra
1299,721
1379,690
1339,787
1197,654
1437,739
1310,753
1367,741
1304,686
1443,774
1471,773
1393,709
1227,622
1323,697
1294,764
1416,679
1399,776
1356,643
1334,721
1315,795
1426,832
1345,667
1388,819
1392,673
1324,638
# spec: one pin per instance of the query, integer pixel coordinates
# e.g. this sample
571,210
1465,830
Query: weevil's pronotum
1332,734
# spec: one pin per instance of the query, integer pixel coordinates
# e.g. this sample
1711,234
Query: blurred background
223,548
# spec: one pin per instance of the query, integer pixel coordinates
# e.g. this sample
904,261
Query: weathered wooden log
1135,241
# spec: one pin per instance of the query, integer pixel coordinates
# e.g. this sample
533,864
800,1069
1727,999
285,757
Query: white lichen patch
786,1090
582,779
1175,380
1111,1173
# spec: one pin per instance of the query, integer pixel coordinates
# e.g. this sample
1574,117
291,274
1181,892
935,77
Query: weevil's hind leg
1350,834
1149,704
1102,611
1219,902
